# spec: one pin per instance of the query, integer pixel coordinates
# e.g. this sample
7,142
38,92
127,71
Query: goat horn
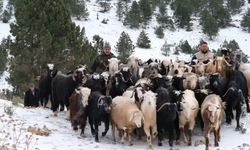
227,63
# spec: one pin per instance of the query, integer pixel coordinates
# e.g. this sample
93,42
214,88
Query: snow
62,135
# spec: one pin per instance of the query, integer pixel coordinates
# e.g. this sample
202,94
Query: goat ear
224,105
77,90
131,117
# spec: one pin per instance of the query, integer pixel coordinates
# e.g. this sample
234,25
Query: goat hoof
82,135
75,128
130,144
189,143
177,142
104,133
248,110
216,144
159,144
171,144
237,129
97,140
150,147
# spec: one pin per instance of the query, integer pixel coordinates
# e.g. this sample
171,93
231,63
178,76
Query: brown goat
211,112
78,102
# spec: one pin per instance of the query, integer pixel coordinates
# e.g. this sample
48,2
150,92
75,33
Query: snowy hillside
111,32
14,130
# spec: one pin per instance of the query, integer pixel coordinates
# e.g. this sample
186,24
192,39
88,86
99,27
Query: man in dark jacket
31,97
101,62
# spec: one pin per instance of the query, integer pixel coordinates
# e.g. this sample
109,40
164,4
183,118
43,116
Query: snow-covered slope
111,32
62,137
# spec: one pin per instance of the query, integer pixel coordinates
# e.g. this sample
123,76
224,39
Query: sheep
148,108
190,108
190,81
165,65
211,112
113,66
125,116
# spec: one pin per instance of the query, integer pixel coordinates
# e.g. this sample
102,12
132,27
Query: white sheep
191,80
126,116
148,108
211,113
187,115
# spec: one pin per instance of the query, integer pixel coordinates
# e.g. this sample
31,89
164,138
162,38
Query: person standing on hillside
204,55
31,98
101,61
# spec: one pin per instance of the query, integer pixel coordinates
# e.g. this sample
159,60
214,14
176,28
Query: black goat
98,111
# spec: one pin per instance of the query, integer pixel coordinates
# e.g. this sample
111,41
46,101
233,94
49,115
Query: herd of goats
156,98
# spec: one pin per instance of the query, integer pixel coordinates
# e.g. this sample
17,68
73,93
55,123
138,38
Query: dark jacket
101,63
31,99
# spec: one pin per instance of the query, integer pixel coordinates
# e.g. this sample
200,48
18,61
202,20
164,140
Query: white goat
190,108
148,108
113,66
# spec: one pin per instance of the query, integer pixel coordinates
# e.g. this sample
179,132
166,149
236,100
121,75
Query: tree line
43,32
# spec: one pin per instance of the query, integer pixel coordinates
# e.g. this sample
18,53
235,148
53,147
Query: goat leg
190,137
238,112
106,128
96,131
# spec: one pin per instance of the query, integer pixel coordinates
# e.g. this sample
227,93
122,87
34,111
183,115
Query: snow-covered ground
62,137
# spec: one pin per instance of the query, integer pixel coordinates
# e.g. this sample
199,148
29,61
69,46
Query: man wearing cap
101,62
204,55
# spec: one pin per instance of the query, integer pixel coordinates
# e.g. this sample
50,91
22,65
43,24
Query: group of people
31,98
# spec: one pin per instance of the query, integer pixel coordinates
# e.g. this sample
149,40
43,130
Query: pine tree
124,46
143,40
77,8
146,10
98,43
80,10
159,31
223,17
3,55
165,49
133,17
219,12
1,6
198,5
209,25
43,33
245,22
185,47
162,17
182,13
6,16
235,5
105,5
232,45
120,9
